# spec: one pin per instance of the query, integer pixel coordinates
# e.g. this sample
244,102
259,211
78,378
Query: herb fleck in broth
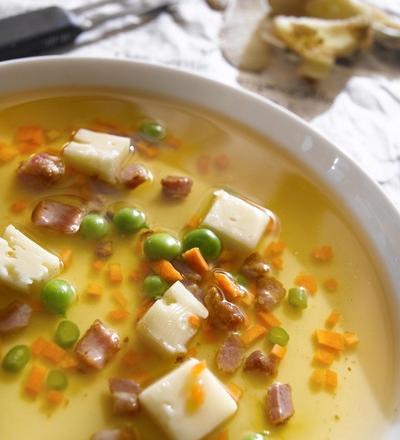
215,153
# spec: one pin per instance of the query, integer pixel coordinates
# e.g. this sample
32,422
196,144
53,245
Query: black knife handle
37,31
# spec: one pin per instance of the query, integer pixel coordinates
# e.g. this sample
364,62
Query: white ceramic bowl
377,219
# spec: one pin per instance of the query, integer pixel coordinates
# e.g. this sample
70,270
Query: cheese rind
239,223
23,262
97,154
166,401
166,325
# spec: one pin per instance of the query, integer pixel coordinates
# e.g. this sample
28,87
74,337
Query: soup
339,387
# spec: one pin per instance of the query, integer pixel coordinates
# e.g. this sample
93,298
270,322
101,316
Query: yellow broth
361,405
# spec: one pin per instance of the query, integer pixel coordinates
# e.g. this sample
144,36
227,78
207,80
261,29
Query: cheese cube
166,401
97,154
166,325
23,262
239,223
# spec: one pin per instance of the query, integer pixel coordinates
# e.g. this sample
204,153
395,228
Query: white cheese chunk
97,154
167,402
239,223
23,262
166,325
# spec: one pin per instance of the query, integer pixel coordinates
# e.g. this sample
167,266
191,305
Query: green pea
204,239
56,380
162,246
16,358
154,286
278,335
94,226
129,220
152,131
297,297
57,296
67,333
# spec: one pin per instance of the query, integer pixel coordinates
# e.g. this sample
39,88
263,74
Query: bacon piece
230,354
57,216
133,175
114,434
125,395
97,346
269,292
15,316
254,266
279,403
41,170
258,361
222,313
176,187
104,249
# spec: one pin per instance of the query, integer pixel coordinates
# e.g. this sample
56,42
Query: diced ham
104,249
133,175
176,187
97,346
41,170
114,434
57,216
269,292
258,361
230,354
279,403
125,395
15,316
254,266
222,313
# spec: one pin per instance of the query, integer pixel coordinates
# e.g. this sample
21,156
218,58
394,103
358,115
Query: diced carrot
194,221
306,281
351,339
235,391
18,206
118,315
30,133
278,352
323,254
53,353
173,141
331,379
131,358
38,346
223,435
147,150
97,265
66,256
222,162
35,380
208,332
69,362
333,318
141,272
142,377
324,356
115,273
203,164
7,153
120,299
277,263
250,335
269,319
94,289
142,308
166,271
318,376
198,368
196,261
228,286
192,352
197,395
55,397
270,225
330,284
194,321
274,249
330,339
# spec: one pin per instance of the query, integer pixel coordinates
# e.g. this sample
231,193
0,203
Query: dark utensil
46,29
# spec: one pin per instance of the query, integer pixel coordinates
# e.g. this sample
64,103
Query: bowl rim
362,198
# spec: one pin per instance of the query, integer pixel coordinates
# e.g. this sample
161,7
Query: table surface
358,107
